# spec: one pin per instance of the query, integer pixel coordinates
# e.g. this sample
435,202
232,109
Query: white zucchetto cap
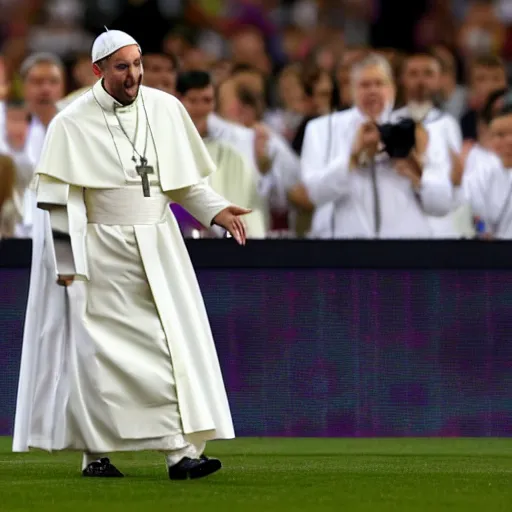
109,42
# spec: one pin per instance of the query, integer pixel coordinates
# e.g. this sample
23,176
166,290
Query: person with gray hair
43,83
373,60
358,190
43,76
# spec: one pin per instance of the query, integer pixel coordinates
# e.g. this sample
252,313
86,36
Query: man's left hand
230,220
261,138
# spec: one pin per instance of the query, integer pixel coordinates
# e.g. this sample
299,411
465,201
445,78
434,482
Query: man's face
291,92
485,81
159,73
199,103
16,127
247,46
122,74
44,85
373,91
501,138
421,78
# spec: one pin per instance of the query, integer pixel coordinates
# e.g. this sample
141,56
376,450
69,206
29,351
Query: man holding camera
357,189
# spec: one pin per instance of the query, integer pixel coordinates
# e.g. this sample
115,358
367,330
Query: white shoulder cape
80,134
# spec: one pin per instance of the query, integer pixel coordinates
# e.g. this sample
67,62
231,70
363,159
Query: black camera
398,138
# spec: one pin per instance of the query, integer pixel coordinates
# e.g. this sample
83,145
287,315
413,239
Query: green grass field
267,475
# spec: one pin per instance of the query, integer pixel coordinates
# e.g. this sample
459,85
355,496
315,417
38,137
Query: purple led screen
341,352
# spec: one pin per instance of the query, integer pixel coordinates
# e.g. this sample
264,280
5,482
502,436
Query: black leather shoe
102,468
194,468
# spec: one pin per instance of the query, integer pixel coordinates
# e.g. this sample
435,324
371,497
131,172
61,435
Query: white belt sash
126,206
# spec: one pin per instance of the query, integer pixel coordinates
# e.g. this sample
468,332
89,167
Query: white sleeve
436,190
201,201
475,187
314,150
454,134
68,219
330,183
324,183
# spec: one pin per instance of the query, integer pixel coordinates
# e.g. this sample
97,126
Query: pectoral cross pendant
143,170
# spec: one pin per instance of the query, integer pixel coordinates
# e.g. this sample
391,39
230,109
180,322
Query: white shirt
344,199
488,188
458,223
478,158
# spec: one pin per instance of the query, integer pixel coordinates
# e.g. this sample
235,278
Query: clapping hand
459,163
261,137
410,168
366,143
230,220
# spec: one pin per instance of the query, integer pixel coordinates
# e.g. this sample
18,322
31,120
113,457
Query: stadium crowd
294,101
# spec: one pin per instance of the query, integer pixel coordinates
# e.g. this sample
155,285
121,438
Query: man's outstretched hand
230,220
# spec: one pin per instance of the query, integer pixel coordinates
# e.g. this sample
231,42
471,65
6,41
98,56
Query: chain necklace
142,158
149,131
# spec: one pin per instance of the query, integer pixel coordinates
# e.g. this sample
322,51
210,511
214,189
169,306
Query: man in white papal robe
129,362
352,197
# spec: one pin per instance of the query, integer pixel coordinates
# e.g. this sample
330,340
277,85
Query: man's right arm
325,180
66,209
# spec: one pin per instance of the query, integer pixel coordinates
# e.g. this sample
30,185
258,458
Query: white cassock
487,186
234,179
458,223
349,204
123,359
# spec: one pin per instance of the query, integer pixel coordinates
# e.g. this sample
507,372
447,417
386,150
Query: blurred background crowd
255,75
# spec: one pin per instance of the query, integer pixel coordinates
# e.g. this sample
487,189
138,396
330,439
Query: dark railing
341,338
367,254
